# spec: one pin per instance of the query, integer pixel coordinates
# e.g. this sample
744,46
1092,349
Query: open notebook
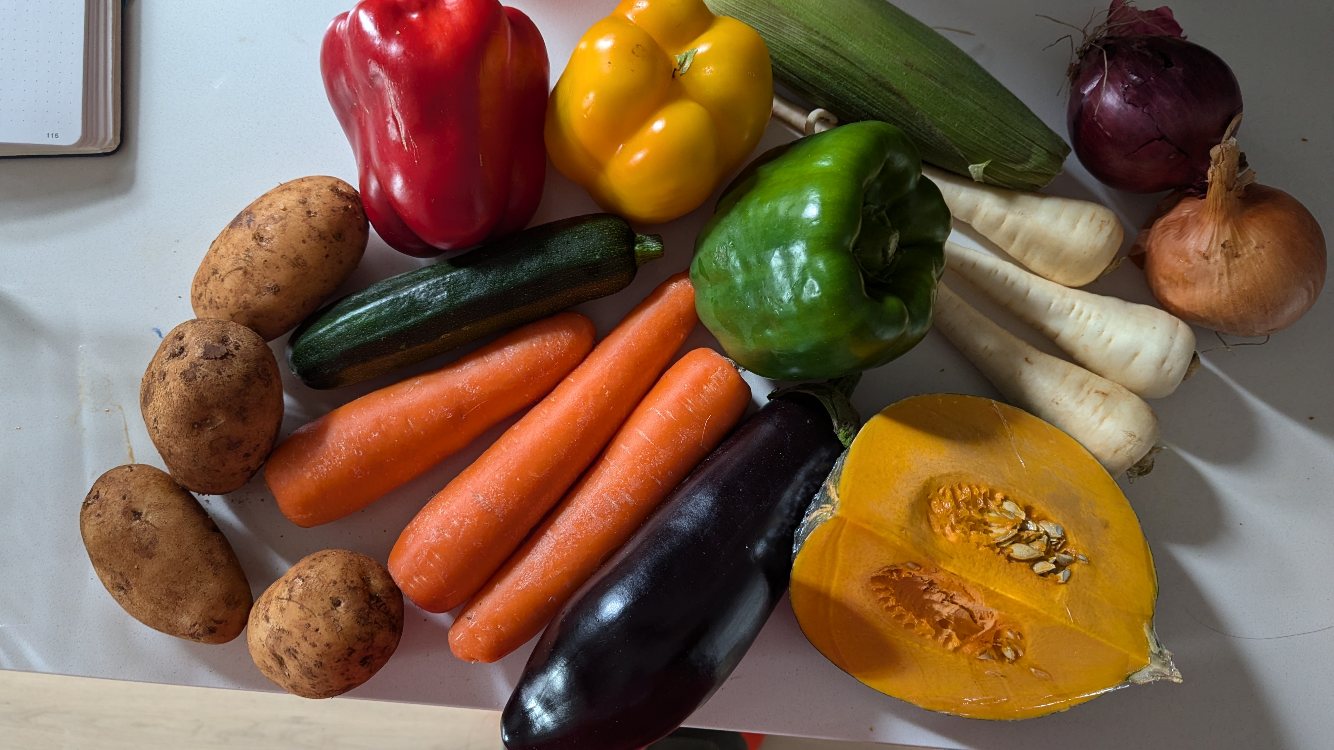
59,76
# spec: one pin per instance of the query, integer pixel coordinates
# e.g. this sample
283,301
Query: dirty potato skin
282,256
212,399
161,557
327,625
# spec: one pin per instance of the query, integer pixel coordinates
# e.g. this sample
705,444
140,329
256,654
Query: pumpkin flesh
908,574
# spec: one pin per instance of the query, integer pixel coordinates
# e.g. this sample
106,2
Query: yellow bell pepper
660,101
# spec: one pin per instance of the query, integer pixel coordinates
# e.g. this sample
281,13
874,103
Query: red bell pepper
443,102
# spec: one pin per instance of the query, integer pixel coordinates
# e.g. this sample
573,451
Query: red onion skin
1145,110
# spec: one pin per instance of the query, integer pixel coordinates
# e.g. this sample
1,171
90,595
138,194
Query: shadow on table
1208,418
1176,505
1288,373
1218,705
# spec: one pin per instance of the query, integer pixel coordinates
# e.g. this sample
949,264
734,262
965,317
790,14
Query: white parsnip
1143,348
1069,241
1115,425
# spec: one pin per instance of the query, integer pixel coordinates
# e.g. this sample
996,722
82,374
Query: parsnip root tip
1143,466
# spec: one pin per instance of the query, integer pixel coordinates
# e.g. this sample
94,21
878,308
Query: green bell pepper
822,258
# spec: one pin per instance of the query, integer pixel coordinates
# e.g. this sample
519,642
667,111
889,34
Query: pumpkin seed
1052,529
1022,551
1009,653
989,517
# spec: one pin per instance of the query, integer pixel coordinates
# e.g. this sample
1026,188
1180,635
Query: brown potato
327,625
282,256
212,399
161,557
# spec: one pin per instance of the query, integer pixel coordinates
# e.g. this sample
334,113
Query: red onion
1146,106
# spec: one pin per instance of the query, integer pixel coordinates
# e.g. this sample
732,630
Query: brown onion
1245,259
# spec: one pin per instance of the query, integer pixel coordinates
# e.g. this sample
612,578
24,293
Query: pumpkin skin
906,574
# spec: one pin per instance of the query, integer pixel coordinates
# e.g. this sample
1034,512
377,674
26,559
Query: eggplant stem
836,397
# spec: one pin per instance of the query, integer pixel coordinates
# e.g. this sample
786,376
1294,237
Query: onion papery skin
1250,266
1145,110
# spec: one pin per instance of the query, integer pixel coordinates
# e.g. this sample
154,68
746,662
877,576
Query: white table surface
224,100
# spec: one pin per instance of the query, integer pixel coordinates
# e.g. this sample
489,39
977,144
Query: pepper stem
684,61
647,247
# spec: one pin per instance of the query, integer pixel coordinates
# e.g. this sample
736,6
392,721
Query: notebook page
41,71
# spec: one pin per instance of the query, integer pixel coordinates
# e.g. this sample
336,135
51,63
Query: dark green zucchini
407,318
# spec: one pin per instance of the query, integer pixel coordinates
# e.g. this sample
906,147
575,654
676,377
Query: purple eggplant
659,629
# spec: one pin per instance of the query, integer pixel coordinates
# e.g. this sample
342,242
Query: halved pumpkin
969,558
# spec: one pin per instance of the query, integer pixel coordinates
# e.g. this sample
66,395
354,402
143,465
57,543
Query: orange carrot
470,527
359,452
695,403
